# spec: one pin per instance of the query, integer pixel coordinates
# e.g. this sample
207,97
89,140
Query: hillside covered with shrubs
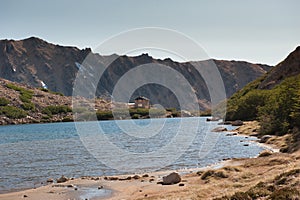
273,100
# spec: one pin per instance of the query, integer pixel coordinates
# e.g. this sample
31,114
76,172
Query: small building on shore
141,102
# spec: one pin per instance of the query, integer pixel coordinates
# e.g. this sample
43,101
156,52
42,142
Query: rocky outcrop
287,68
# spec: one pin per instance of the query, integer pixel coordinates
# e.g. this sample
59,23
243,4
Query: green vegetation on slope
53,110
13,112
3,101
277,109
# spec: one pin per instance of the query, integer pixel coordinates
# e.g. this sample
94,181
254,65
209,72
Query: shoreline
108,183
124,187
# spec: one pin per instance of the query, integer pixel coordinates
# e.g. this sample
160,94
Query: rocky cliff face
36,62
41,64
287,68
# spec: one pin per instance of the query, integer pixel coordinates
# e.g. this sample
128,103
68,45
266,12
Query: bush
13,87
25,95
285,193
4,101
53,110
28,106
212,173
51,92
135,116
139,111
276,116
207,174
277,109
67,119
157,113
104,115
13,112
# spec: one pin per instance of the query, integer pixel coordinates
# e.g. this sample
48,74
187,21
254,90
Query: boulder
265,138
213,119
237,123
185,113
62,179
219,129
172,178
50,180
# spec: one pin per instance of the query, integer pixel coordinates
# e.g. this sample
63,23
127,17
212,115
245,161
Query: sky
255,31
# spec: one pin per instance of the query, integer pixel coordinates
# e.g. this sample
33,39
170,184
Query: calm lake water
30,154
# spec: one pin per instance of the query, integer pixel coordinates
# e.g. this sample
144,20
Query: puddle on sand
94,193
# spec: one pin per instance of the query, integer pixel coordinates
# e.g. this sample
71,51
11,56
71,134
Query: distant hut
142,102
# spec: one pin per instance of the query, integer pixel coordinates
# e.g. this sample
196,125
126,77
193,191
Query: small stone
136,177
25,196
76,188
113,178
219,129
100,187
145,176
265,138
70,186
181,184
62,179
50,180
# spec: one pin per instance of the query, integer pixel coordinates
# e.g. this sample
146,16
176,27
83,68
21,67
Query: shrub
207,174
277,109
25,95
139,111
157,112
104,115
28,106
67,119
135,116
3,101
13,112
285,193
13,87
212,173
53,110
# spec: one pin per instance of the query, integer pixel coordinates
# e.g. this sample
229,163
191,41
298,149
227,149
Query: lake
30,154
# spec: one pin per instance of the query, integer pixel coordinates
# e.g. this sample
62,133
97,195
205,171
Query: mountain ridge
42,64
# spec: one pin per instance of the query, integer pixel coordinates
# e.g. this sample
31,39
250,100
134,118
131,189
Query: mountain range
41,64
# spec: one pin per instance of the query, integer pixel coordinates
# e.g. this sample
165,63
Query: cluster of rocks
172,178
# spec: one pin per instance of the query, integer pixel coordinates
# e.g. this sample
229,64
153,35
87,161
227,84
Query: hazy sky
256,31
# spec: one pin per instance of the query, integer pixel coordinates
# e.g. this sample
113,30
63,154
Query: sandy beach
225,178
